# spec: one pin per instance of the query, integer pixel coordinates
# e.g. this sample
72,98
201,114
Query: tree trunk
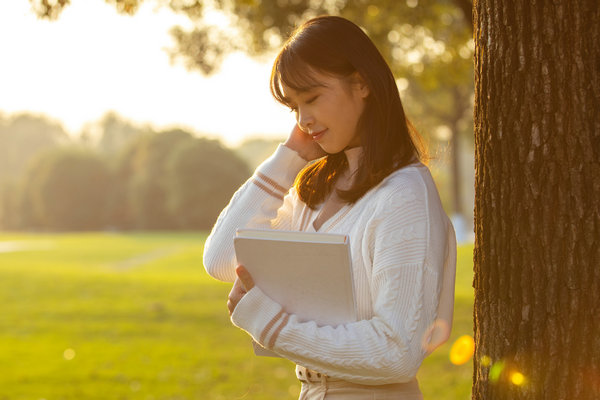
537,196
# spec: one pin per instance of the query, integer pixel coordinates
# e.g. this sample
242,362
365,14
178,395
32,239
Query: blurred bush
202,177
66,189
147,191
147,181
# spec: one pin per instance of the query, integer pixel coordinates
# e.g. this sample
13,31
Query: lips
318,135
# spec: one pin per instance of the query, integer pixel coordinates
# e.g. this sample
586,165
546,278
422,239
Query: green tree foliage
120,177
66,189
117,139
23,136
203,175
10,219
148,183
116,133
120,209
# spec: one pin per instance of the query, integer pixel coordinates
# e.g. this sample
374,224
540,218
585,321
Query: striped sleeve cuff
269,186
261,317
279,171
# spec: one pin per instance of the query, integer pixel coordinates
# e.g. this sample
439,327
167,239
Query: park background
123,136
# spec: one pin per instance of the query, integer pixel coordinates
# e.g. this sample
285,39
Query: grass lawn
134,316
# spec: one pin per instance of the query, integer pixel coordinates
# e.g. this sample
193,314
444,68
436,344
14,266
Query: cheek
355,112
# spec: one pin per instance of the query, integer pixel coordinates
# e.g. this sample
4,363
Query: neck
353,155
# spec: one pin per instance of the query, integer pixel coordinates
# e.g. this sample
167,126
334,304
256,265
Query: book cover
309,274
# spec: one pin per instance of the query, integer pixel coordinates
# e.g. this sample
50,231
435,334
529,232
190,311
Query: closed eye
294,108
311,100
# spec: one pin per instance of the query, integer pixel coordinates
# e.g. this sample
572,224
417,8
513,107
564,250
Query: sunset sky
92,60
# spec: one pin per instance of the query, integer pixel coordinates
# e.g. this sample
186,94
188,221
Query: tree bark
537,196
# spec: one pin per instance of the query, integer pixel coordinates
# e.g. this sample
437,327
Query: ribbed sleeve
261,202
386,347
403,248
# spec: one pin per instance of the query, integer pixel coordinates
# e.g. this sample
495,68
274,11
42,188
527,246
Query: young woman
352,165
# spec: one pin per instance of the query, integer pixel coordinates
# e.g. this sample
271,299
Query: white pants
316,386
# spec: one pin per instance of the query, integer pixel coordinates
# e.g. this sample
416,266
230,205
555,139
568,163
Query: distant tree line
114,176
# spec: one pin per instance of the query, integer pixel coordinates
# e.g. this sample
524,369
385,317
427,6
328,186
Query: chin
331,149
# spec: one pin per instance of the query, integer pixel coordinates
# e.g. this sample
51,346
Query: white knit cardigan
403,251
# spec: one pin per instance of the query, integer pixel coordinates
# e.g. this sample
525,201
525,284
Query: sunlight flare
517,378
496,371
462,350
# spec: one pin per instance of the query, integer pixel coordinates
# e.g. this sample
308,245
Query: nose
305,120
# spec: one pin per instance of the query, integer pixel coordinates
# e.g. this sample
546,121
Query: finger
245,277
235,295
238,286
237,291
234,298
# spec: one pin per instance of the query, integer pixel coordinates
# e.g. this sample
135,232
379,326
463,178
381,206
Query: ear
360,85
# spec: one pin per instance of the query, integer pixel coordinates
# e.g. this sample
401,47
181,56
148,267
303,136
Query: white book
309,274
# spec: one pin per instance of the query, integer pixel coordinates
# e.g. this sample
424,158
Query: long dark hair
337,46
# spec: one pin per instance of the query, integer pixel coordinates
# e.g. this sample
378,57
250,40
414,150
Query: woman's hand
304,145
241,286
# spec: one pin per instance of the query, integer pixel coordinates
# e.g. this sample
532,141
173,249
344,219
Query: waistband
308,376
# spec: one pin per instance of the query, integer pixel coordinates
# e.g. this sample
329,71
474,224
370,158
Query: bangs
292,71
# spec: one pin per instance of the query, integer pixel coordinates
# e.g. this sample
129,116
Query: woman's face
329,111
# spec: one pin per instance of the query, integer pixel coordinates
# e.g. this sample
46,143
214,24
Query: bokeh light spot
496,370
135,386
373,11
517,378
485,361
69,354
462,350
